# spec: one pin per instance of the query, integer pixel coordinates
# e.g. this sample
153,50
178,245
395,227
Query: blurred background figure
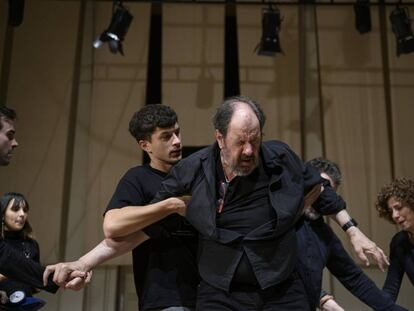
17,233
395,202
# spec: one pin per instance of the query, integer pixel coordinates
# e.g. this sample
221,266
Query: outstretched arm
330,203
395,272
354,279
362,245
65,273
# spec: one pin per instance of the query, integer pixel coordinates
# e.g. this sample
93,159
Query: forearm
127,220
111,248
341,218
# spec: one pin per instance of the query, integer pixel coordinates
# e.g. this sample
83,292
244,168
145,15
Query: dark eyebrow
167,132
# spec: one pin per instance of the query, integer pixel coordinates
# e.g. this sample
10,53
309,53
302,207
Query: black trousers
287,296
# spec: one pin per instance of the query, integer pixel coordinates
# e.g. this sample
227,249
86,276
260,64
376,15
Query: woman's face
15,216
402,214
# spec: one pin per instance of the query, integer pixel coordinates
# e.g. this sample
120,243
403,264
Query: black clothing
14,265
271,247
165,271
401,261
30,250
319,248
286,296
246,203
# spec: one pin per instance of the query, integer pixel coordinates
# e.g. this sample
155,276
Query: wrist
83,265
351,223
324,299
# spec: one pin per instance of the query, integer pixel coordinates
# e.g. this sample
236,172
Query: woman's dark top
30,249
401,260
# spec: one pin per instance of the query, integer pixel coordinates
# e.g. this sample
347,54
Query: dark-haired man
7,140
13,264
165,271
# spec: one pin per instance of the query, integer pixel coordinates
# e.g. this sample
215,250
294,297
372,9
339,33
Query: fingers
77,274
361,255
379,256
88,277
76,284
49,270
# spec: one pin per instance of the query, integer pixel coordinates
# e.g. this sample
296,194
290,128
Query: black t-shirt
165,269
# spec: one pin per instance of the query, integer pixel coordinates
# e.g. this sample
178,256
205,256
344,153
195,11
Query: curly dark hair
147,119
402,190
224,113
18,200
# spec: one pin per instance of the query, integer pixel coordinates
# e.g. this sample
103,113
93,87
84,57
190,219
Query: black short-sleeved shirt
165,269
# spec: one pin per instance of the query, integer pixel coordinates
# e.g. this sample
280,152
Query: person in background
320,248
395,203
16,232
13,264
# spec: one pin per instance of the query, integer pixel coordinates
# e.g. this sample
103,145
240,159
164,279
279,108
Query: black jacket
271,248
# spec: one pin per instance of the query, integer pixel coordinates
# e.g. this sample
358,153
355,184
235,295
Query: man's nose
248,149
14,143
177,139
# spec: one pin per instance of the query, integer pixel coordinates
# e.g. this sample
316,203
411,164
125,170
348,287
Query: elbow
109,229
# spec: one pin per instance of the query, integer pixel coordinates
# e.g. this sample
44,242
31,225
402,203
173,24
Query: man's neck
160,166
228,173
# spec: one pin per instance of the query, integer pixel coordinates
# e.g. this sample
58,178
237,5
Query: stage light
362,16
269,44
16,10
401,26
115,33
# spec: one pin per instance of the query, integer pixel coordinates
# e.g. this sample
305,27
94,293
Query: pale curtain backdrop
328,95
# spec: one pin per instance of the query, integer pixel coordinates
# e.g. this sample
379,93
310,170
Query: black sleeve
395,271
170,187
15,266
344,268
127,193
328,202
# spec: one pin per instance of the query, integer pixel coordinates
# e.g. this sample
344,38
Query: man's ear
219,139
145,145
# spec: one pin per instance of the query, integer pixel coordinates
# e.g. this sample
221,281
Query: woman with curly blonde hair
395,202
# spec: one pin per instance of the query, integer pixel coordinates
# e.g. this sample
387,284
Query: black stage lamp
401,26
269,44
115,33
362,16
16,10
